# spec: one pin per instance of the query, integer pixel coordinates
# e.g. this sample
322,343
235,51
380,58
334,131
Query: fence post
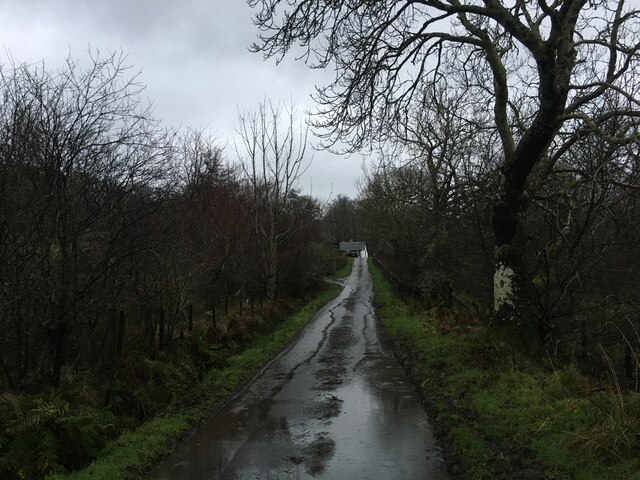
161,328
120,332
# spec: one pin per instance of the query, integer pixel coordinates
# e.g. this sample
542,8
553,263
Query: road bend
334,405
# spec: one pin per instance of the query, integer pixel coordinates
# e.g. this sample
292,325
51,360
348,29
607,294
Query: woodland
133,257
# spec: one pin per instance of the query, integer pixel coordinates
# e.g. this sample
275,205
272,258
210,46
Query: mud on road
334,405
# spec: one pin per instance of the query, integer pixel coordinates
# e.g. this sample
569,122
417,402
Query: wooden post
583,339
161,328
120,334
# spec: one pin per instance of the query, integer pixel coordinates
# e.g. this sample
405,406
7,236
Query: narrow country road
335,405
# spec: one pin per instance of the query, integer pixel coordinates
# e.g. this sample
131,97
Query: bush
42,436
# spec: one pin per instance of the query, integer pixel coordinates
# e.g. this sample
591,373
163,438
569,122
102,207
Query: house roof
346,246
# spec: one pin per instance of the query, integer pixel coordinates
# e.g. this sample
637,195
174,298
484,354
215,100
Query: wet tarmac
335,405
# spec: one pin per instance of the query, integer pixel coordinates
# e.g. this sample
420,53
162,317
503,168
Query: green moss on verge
133,453
346,270
498,414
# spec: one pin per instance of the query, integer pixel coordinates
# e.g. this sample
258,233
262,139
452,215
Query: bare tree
535,72
272,152
216,218
81,145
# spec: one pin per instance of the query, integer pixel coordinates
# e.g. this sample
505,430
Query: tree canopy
533,77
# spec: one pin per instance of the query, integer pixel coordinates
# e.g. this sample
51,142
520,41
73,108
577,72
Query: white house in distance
351,247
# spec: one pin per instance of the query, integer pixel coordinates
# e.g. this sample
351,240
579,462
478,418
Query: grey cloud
193,55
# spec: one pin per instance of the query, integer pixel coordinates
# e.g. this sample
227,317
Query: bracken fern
42,436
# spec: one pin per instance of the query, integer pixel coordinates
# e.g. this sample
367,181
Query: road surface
335,405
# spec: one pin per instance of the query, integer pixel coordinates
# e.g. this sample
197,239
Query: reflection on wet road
335,405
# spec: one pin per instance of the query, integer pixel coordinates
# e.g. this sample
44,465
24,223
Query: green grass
501,415
346,270
133,453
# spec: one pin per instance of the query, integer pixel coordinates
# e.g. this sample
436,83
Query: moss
345,271
470,449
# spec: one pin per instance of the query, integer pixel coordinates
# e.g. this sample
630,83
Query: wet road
335,405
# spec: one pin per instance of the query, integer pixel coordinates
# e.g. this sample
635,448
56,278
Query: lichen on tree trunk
511,315
504,287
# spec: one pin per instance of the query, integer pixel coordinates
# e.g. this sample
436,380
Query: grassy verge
345,270
133,453
500,415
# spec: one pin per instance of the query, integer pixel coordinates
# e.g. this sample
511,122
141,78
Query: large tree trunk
508,278
555,59
509,282
513,319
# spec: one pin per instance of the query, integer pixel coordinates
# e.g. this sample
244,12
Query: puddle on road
316,454
382,431
327,408
335,406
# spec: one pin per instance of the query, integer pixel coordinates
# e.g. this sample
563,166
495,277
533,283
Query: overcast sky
192,55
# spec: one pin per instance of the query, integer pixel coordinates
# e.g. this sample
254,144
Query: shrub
42,436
